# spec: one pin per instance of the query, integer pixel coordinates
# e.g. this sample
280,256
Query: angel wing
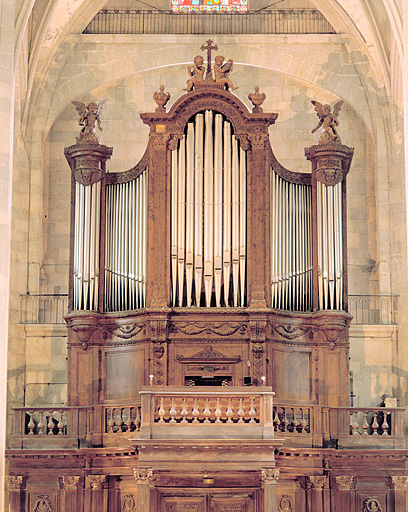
100,106
337,108
80,107
227,66
318,108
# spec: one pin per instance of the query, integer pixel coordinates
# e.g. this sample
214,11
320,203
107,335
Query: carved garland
219,328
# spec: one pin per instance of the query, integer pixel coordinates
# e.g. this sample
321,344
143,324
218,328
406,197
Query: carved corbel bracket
331,162
84,334
87,161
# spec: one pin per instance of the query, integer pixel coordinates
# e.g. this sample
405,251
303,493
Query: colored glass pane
183,6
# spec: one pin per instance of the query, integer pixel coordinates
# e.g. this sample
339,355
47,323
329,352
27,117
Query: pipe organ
208,215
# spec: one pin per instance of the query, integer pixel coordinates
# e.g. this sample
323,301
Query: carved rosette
87,161
317,481
285,504
143,476
372,504
344,482
96,481
399,482
69,483
43,504
331,162
14,483
270,476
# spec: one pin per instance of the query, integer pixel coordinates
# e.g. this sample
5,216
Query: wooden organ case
208,326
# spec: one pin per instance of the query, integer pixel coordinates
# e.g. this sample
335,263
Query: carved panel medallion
285,504
372,504
129,503
43,504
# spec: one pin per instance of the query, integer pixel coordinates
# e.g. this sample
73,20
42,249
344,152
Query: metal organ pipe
214,226
291,255
125,245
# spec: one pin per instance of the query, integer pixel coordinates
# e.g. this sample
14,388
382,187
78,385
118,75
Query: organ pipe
208,238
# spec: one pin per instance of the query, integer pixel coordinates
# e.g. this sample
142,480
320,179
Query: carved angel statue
196,72
88,118
223,71
161,98
328,121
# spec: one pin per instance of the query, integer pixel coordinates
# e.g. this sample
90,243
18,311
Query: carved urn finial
257,98
161,98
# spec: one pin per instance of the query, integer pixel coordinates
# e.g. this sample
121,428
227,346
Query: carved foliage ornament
285,504
219,328
96,481
344,482
317,482
43,504
69,482
14,483
399,482
143,476
372,504
270,476
125,332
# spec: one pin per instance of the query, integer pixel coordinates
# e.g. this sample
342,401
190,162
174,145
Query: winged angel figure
88,118
328,121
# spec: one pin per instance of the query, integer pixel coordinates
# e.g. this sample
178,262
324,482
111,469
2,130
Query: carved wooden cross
209,47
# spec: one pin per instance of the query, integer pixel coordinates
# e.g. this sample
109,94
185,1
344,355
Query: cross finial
209,47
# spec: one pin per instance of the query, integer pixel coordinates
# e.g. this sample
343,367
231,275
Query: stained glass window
209,5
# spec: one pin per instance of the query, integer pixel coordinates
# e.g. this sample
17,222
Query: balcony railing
174,413
373,309
43,308
273,21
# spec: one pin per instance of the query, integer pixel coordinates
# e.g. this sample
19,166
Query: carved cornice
96,481
86,161
344,482
69,482
331,162
112,178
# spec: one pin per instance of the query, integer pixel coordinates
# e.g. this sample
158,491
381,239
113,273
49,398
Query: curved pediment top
210,98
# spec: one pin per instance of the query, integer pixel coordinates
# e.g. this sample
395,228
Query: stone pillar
344,484
317,484
15,486
96,483
69,493
144,479
269,479
399,486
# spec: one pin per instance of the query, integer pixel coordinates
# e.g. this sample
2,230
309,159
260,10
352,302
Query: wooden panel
84,377
183,504
232,503
332,380
291,375
124,370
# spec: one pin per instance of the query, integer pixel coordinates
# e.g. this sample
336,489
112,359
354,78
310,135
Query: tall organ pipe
291,254
214,228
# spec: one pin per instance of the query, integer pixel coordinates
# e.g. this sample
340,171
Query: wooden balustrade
207,413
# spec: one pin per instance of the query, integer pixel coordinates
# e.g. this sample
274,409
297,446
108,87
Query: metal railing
273,21
43,308
373,309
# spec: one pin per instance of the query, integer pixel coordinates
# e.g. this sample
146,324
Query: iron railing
373,309
273,21
43,308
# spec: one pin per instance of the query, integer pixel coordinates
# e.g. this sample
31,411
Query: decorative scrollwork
219,328
125,332
289,332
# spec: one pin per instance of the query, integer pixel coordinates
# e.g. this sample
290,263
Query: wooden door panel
183,504
232,503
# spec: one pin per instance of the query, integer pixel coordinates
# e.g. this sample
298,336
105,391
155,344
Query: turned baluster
230,411
196,411
31,424
61,424
276,420
303,422
127,423
252,410
50,424
355,424
41,424
184,411
161,410
111,423
285,421
172,411
218,412
385,425
375,425
294,422
137,419
366,426
207,412
120,420
241,411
